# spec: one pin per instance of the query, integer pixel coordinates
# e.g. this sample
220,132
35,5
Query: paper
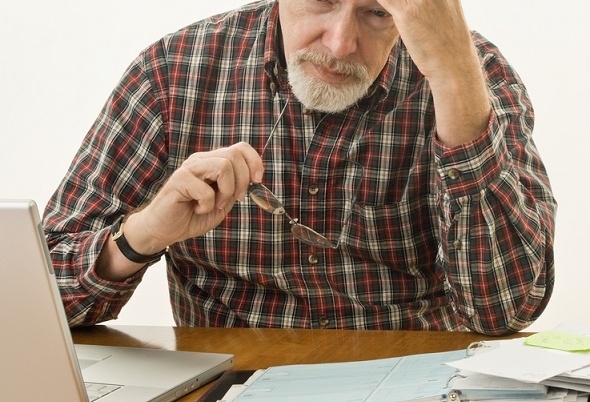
410,378
513,359
560,340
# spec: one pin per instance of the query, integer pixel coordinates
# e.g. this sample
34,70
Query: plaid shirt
433,239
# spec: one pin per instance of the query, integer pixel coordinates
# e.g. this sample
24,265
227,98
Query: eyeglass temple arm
274,128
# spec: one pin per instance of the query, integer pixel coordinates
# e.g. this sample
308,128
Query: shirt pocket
401,235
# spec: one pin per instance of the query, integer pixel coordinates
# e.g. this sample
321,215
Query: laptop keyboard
96,391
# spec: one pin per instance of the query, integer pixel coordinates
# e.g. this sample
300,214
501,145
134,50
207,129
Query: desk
260,348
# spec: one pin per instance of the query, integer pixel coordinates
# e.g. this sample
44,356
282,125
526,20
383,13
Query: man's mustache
332,64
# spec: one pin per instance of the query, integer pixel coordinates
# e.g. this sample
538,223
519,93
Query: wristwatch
125,248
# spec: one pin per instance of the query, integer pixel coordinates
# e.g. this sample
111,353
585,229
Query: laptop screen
37,347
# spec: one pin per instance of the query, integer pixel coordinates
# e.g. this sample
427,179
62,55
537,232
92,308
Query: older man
360,164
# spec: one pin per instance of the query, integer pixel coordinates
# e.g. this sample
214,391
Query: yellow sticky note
560,341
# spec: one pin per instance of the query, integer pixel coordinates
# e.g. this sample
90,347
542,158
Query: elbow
517,319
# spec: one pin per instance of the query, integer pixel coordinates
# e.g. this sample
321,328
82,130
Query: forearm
497,231
104,182
438,39
461,102
498,262
87,298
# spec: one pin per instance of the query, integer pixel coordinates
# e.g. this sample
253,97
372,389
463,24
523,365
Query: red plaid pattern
437,239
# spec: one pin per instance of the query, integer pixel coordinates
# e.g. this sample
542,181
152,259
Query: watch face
117,228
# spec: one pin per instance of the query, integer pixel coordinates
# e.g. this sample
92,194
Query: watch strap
126,249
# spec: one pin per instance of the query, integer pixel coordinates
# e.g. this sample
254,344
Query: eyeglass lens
266,200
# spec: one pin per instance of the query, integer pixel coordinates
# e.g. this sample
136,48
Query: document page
410,378
513,359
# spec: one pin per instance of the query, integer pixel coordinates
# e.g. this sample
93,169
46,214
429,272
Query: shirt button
313,259
454,173
457,244
307,111
273,87
313,189
324,321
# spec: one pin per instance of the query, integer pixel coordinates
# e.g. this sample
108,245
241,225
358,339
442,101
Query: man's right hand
194,200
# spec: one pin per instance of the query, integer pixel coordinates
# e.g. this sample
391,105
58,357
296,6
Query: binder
419,378
427,377
470,386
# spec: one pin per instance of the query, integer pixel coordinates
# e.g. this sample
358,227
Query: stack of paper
533,369
554,359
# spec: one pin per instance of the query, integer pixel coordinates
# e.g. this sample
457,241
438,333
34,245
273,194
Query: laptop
38,357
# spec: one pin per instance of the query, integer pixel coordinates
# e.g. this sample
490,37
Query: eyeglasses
269,202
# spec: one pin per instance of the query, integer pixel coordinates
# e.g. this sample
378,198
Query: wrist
136,248
462,106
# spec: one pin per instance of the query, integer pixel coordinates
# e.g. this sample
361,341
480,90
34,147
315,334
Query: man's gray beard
318,95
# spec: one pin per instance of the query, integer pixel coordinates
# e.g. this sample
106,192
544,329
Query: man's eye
380,13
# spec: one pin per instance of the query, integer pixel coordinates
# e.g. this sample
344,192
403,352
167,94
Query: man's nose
341,36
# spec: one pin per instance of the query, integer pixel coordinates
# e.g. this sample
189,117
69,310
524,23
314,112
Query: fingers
436,35
221,176
200,193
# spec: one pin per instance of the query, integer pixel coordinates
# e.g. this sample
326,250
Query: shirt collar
273,52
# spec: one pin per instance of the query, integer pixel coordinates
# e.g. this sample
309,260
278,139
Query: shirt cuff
109,291
470,168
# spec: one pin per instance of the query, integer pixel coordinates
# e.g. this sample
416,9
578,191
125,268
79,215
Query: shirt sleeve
497,217
120,166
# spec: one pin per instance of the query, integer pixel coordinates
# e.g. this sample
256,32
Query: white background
59,60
